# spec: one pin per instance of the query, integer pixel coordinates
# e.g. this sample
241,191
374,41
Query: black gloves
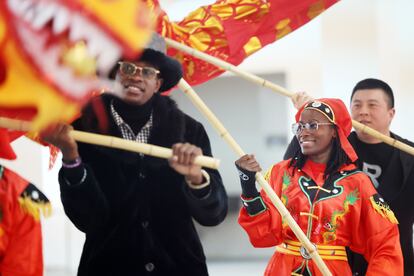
251,198
247,181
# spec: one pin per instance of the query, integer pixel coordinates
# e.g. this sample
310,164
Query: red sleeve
265,228
21,238
376,236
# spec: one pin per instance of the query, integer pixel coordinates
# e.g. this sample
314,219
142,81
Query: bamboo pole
228,67
198,102
386,139
280,90
114,142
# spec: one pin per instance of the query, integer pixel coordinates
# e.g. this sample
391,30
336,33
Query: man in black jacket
391,170
136,211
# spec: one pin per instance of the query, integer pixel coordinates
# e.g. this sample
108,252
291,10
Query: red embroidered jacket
343,212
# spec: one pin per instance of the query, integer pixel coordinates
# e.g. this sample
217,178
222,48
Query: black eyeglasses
312,127
130,69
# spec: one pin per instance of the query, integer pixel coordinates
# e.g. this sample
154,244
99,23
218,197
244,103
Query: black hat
155,54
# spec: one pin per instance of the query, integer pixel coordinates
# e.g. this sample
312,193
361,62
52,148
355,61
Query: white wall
31,163
255,118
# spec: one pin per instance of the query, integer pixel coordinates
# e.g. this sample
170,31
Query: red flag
233,30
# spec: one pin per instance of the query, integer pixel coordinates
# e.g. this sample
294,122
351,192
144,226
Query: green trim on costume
310,223
254,199
300,267
301,187
341,188
307,268
309,228
253,215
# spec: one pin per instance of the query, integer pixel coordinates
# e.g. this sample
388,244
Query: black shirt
374,160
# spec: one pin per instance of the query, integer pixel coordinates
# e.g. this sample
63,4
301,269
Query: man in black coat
137,211
391,170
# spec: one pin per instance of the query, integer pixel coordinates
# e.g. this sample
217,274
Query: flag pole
114,142
202,107
280,90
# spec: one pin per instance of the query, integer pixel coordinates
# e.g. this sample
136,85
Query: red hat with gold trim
335,111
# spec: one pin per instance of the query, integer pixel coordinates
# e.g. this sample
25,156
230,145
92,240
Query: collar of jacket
347,167
168,125
330,189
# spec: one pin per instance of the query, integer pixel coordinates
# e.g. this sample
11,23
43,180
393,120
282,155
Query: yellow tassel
384,210
35,209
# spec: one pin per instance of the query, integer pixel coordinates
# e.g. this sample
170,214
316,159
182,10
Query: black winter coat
136,212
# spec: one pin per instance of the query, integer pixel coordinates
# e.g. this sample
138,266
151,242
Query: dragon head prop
54,54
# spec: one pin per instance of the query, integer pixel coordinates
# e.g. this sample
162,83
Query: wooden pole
280,90
228,67
198,102
386,139
114,142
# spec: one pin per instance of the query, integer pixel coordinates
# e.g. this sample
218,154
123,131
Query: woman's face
315,143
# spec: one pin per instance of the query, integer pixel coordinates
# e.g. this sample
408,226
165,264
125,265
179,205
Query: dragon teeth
38,14
44,13
20,6
61,20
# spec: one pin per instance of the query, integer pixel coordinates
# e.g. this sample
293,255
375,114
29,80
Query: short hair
375,84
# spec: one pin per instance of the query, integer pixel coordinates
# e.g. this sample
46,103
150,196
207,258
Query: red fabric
53,154
342,120
298,11
7,136
20,233
317,171
339,221
223,28
6,151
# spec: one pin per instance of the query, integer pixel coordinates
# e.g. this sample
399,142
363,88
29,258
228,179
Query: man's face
139,81
371,107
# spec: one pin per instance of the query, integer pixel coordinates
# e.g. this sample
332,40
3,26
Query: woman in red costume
334,204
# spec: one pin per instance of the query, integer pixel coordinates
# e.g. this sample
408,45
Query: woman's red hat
335,111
